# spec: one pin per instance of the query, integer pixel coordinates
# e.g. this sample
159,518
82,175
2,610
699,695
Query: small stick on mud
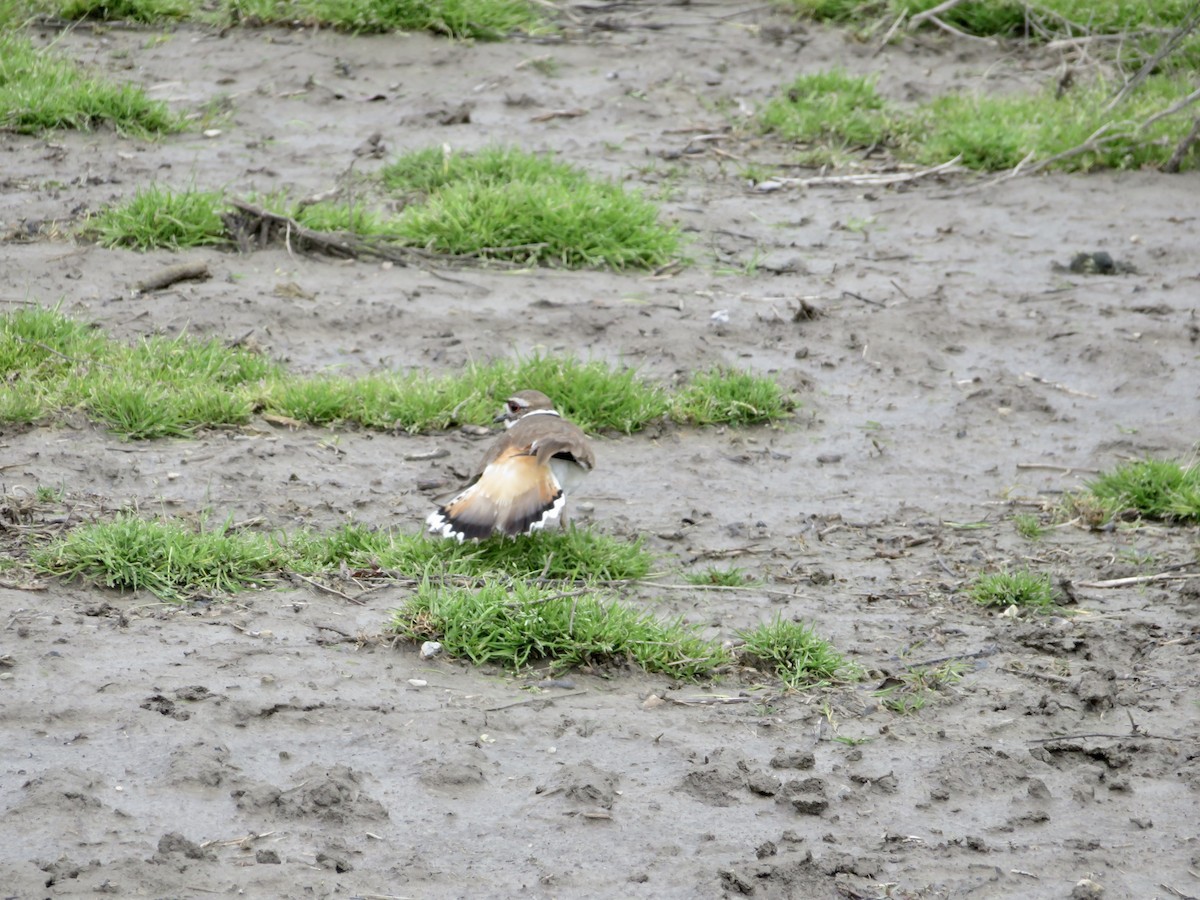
188,271
1055,468
1137,579
545,698
864,179
329,590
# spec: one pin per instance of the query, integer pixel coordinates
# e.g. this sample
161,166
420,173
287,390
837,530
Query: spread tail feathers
514,495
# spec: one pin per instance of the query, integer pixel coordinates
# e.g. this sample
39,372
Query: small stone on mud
1086,889
430,649
267,857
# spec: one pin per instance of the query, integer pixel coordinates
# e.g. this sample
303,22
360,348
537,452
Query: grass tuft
830,114
519,624
830,108
40,91
507,204
1160,489
162,387
713,576
795,653
157,217
479,19
1024,589
726,397
911,691
1028,526
173,562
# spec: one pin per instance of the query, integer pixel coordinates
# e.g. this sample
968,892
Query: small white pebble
430,649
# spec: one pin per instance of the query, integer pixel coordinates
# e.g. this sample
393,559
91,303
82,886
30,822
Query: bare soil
952,376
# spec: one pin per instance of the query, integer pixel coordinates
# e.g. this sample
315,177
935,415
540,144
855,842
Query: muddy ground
277,745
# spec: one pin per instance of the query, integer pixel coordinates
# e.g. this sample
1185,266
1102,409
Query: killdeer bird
520,487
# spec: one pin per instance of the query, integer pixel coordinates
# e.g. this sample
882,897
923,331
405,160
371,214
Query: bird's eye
513,406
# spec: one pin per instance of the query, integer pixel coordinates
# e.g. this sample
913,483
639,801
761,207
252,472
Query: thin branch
934,12
1169,46
868,179
1137,579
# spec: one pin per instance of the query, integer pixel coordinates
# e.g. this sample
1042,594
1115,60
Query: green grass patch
832,109
167,558
722,396
500,204
506,204
469,19
1029,526
717,577
41,91
910,691
520,624
1040,21
175,561
1022,588
829,114
161,387
795,653
157,217
146,11
1160,489
476,19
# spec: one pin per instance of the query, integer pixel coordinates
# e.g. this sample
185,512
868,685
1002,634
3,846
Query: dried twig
933,12
1181,149
329,590
1169,46
1138,579
867,179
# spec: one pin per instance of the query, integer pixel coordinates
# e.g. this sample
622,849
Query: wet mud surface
952,370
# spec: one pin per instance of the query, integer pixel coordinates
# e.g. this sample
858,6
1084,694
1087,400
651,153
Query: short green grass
827,114
832,109
161,387
176,561
1162,489
507,204
1029,526
165,557
717,577
517,624
911,691
721,396
41,90
1139,20
158,217
1021,588
499,204
794,653
463,19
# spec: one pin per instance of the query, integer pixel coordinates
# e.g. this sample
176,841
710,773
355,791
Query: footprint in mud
333,794
720,781
165,706
202,764
457,774
585,785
